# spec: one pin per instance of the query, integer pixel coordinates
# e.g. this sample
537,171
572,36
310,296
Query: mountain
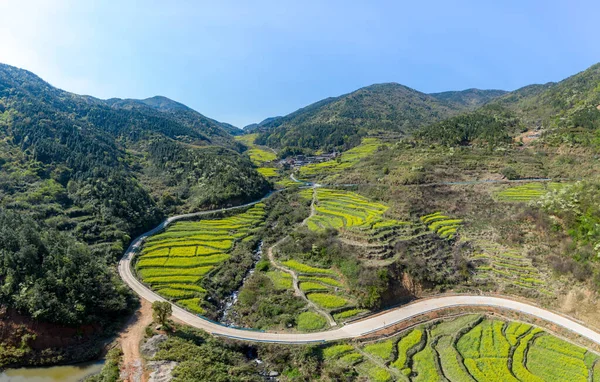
342,121
568,103
470,98
254,127
80,176
170,112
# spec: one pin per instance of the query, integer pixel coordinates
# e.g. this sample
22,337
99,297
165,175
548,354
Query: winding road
352,330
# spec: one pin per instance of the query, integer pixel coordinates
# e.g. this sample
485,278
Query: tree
161,310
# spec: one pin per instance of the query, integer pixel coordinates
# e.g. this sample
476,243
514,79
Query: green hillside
470,98
342,121
93,174
572,102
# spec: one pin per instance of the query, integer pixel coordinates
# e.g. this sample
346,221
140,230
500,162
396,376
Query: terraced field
323,287
174,262
508,268
441,224
469,348
348,159
361,223
527,192
343,210
257,154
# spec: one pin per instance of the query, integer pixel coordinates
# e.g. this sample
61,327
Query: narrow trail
132,369
295,282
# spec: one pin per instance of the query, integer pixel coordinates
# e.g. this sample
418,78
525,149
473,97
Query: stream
226,317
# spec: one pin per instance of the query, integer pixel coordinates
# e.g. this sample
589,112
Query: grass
348,313
310,321
382,350
378,374
175,261
351,359
303,268
328,301
281,280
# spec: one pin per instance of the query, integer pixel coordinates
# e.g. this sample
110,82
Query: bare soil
132,369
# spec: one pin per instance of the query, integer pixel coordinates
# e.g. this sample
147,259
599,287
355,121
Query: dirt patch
528,136
132,369
49,343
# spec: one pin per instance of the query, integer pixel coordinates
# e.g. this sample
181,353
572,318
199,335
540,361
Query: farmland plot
174,262
472,348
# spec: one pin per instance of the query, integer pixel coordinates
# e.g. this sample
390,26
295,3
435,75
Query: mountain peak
164,104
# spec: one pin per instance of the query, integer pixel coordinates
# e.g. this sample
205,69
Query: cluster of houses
302,160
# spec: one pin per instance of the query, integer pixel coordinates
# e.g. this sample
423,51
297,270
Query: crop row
328,301
470,348
303,268
174,262
348,159
510,268
527,192
340,209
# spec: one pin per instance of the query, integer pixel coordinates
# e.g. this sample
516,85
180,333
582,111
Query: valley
382,235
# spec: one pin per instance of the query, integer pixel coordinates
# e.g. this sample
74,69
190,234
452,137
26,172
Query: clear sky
243,61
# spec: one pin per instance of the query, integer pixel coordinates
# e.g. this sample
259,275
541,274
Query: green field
267,172
347,159
344,210
174,262
258,155
310,321
527,192
441,224
470,348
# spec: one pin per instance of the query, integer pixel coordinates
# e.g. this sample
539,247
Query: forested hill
470,98
216,132
571,103
92,174
342,121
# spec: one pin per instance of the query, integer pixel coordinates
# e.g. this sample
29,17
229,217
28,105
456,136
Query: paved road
359,328
353,330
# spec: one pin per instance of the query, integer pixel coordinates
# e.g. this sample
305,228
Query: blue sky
243,61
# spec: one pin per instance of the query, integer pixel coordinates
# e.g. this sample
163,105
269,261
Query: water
68,373
226,317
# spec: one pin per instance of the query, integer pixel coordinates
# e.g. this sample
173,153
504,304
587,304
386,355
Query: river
68,373
226,318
